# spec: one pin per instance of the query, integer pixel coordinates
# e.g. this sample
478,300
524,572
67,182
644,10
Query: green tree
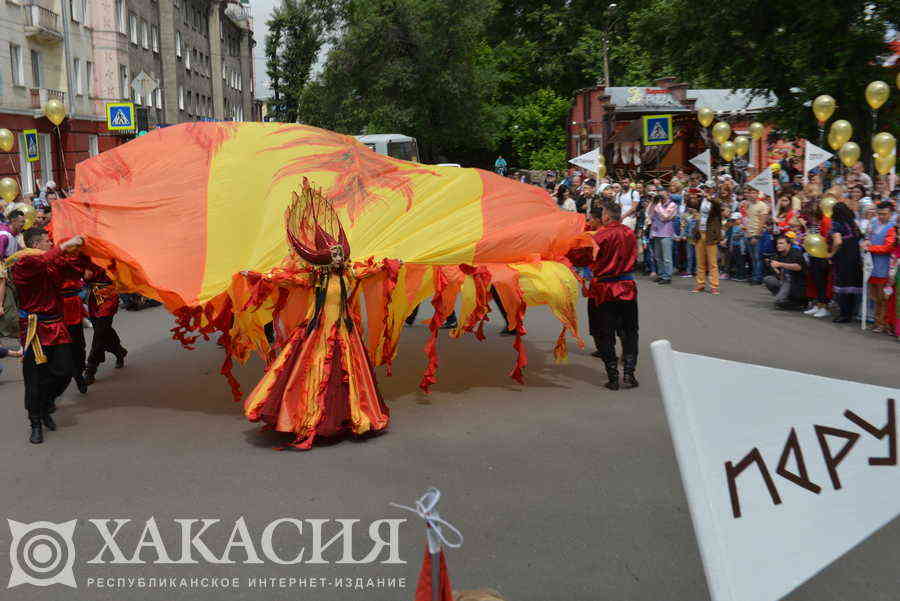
537,130
796,50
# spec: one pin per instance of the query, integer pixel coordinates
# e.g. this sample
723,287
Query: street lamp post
606,30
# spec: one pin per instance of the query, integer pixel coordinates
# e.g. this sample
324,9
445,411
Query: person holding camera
789,282
662,211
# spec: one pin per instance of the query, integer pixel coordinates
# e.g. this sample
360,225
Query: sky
261,10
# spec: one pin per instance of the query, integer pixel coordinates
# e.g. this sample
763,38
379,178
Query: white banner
764,183
588,160
813,157
784,471
703,162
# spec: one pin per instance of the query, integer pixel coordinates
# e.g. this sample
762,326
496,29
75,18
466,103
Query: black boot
51,408
48,421
628,380
81,384
120,359
37,432
597,353
612,372
90,373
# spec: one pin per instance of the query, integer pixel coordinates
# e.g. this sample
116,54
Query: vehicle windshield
406,151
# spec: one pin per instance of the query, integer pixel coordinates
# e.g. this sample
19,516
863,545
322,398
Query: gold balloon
823,108
842,132
727,151
7,140
55,111
721,131
884,144
741,145
601,159
757,130
898,80
883,165
877,94
833,141
705,116
601,170
29,212
9,189
815,245
849,153
827,205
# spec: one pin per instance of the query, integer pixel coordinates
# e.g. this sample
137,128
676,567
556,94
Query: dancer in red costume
322,383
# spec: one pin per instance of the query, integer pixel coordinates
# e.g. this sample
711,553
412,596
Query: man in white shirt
629,200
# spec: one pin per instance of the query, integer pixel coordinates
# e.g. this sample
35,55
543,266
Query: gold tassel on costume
32,340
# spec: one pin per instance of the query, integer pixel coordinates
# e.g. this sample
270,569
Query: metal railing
40,96
40,16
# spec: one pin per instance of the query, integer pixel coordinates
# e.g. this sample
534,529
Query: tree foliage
473,78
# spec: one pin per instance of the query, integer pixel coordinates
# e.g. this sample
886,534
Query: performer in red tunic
47,363
612,294
73,313
103,303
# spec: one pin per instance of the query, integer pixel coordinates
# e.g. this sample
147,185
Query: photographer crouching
789,282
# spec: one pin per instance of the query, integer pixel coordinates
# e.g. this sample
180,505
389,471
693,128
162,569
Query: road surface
562,489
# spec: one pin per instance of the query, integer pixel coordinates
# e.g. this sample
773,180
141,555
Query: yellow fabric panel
553,284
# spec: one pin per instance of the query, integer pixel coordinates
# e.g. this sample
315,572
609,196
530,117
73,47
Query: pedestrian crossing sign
658,130
120,116
31,145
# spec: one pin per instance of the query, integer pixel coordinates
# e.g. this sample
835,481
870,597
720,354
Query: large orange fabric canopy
188,214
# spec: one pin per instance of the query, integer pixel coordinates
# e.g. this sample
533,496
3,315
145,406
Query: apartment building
177,60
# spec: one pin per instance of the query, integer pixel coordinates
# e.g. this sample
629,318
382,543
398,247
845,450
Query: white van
398,146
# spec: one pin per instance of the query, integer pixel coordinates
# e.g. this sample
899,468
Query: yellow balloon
898,80
705,116
833,141
601,159
823,108
601,170
7,140
827,205
757,130
55,111
727,151
9,189
721,131
842,132
849,153
877,94
884,144
30,215
883,165
815,245
741,145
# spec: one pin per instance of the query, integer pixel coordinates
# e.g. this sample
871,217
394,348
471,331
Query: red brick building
611,118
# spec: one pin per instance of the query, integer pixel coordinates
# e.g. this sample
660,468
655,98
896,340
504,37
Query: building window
15,56
154,35
26,169
123,82
187,58
79,82
37,70
89,77
178,44
120,15
158,98
181,98
76,9
145,35
93,145
133,28
84,12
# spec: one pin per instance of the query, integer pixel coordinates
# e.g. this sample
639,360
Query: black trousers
496,296
605,320
79,347
818,271
47,381
106,340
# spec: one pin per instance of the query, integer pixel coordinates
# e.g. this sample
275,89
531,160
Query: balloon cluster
721,132
884,144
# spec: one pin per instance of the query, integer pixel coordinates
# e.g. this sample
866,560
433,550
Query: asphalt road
563,490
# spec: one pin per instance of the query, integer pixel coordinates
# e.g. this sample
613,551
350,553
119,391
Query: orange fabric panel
145,205
522,223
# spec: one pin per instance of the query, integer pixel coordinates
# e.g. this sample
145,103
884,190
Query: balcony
40,96
42,24
238,14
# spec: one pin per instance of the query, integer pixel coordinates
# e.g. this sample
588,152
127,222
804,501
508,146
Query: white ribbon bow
426,509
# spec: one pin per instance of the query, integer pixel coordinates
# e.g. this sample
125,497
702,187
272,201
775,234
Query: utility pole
607,28
67,51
